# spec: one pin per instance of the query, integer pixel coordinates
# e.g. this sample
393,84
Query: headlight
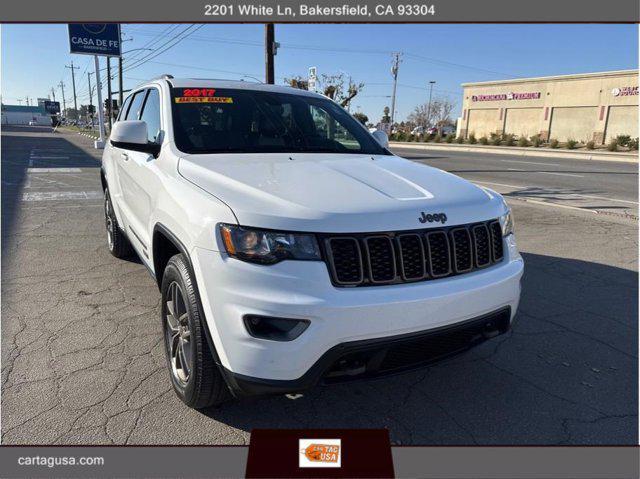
506,221
268,247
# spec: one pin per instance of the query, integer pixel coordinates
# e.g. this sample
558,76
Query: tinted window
246,121
151,114
136,106
123,110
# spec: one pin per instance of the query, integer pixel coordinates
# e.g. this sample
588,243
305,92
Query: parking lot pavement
82,358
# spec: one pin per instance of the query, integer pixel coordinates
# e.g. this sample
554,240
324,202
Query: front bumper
230,289
372,358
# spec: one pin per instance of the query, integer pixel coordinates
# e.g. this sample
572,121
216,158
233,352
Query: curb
520,151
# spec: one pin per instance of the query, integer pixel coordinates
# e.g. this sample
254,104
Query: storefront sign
508,96
95,39
625,91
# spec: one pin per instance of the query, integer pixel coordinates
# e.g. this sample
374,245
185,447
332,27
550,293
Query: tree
441,110
439,114
361,117
386,118
420,116
297,82
333,86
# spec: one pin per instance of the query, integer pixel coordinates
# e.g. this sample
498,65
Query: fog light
275,329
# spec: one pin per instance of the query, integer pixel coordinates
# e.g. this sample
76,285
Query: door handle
124,156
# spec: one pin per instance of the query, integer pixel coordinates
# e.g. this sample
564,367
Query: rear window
208,120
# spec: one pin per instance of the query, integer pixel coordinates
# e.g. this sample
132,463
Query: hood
335,193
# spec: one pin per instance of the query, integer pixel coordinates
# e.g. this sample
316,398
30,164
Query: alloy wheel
108,221
178,334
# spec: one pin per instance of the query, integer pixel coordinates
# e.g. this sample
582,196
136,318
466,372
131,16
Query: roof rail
164,76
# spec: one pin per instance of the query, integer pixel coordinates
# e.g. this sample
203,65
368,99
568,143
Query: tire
117,241
194,374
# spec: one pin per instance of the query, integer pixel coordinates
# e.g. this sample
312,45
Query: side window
136,105
123,110
328,128
151,114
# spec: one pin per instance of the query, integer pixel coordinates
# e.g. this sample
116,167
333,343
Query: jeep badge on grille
436,217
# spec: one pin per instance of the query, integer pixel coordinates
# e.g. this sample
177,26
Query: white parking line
579,195
530,162
54,170
556,205
35,157
61,195
558,174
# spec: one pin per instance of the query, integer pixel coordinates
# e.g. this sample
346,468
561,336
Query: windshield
207,120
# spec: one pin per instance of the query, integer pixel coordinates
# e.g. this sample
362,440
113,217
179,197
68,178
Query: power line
293,46
165,46
176,65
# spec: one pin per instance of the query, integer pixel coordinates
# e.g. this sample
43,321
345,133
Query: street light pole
431,83
109,104
120,72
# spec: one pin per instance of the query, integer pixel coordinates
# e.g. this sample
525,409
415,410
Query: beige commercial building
582,107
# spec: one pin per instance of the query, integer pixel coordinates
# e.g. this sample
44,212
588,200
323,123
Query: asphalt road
604,186
82,359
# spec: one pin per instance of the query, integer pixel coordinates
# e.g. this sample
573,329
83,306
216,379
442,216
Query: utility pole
73,80
53,93
394,72
270,50
90,99
431,83
109,105
64,102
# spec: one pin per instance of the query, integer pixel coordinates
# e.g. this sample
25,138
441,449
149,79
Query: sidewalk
631,157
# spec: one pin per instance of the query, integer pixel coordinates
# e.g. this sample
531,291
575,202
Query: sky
34,56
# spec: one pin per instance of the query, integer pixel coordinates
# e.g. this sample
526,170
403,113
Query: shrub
495,139
571,144
483,140
410,137
472,139
460,140
401,136
426,137
590,145
623,140
437,138
612,146
509,140
522,141
449,138
633,144
536,141
554,143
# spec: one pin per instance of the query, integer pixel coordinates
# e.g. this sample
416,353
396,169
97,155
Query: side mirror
381,137
132,135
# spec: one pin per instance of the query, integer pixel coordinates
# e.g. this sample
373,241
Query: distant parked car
418,130
33,123
444,130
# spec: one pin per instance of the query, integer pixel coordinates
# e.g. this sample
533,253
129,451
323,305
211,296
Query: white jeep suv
291,247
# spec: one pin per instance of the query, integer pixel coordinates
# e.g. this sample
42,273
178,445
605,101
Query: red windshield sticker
198,92
206,99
